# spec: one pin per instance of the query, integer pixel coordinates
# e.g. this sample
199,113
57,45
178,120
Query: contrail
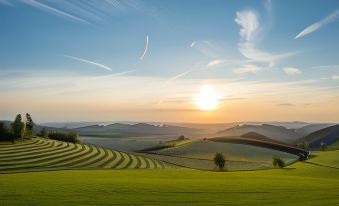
53,10
89,62
146,47
177,76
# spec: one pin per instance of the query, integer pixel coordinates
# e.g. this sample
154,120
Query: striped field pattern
44,154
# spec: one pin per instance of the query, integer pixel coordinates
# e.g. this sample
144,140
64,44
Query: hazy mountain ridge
278,133
327,136
139,129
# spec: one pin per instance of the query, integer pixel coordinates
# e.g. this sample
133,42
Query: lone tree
181,137
29,124
278,162
18,127
219,161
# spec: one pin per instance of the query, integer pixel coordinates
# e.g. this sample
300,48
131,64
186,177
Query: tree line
20,129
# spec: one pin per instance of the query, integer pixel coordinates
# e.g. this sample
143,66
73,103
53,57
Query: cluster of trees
72,137
18,129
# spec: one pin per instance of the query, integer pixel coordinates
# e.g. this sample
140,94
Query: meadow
298,184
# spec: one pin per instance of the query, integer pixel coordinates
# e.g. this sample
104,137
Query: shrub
43,133
219,161
323,146
181,137
278,162
72,137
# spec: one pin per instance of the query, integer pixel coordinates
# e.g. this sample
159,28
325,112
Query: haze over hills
327,136
278,133
139,129
308,129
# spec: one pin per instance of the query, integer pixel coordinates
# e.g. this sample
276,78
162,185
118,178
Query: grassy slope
200,154
301,184
38,153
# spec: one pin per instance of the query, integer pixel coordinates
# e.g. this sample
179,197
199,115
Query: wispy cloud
247,69
88,11
335,66
292,71
145,50
53,10
249,24
214,63
89,62
250,28
192,44
207,48
314,27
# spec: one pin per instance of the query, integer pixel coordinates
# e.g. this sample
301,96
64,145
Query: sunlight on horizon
207,99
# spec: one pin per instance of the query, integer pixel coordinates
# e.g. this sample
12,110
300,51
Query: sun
207,99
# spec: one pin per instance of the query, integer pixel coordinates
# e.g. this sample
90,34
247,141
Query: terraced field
42,154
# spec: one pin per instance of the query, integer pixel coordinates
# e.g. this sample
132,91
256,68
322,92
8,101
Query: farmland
299,184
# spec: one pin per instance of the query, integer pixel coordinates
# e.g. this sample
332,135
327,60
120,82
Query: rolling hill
328,136
140,129
278,133
308,129
199,155
43,154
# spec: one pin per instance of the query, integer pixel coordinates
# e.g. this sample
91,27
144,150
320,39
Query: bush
5,133
278,162
219,161
181,137
72,137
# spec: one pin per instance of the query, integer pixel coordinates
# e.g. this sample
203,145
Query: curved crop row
51,154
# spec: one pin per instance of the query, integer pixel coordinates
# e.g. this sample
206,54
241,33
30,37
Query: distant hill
260,143
36,128
140,129
278,133
308,129
327,135
257,136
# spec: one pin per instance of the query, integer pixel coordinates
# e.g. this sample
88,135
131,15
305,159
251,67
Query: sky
133,60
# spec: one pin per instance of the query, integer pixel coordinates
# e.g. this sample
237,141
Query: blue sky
250,42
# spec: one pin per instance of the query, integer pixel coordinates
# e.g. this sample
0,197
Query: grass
314,182
40,153
200,154
300,184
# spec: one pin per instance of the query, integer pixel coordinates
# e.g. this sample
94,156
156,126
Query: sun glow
207,99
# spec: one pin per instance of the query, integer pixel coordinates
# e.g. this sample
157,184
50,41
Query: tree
29,124
43,133
3,131
18,127
278,162
323,146
303,145
219,161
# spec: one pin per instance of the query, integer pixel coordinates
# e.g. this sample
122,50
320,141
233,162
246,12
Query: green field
200,154
314,182
38,154
300,184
